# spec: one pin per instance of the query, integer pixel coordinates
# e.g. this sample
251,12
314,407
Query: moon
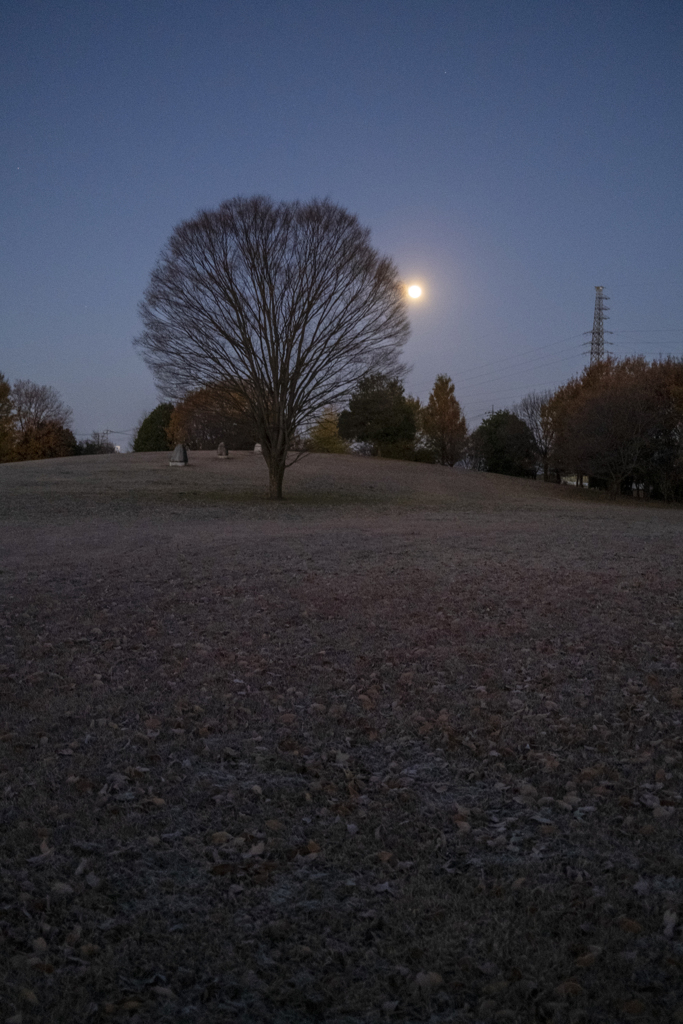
415,291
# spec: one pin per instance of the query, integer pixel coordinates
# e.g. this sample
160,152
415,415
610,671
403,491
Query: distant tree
286,304
623,426
42,422
556,412
324,435
38,403
661,469
443,422
533,410
47,440
8,422
503,443
152,434
96,444
206,417
381,417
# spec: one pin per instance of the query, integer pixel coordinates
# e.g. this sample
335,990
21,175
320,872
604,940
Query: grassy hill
403,747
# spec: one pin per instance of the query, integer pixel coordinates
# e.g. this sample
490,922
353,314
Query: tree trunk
276,472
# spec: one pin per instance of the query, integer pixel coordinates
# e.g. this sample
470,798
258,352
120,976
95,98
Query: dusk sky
509,156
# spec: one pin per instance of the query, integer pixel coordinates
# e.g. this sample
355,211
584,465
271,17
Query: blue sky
510,156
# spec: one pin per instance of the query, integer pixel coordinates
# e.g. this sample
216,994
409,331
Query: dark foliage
206,417
380,416
48,440
152,435
7,421
503,443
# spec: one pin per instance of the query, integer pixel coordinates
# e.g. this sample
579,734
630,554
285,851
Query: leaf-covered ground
406,747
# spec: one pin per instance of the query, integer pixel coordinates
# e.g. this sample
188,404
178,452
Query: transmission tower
597,342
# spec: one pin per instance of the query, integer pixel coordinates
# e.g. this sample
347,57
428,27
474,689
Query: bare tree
36,404
285,304
533,410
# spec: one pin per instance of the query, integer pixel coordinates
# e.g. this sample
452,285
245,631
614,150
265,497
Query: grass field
404,747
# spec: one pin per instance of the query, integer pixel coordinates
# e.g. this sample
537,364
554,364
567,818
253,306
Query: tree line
36,424
617,426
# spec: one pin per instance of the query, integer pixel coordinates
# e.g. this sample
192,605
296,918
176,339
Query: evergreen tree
152,433
503,443
380,416
443,422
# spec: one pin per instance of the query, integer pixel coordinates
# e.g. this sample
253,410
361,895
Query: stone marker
257,448
222,451
179,457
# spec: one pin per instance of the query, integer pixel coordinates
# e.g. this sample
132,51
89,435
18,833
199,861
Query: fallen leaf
29,996
569,988
274,825
257,790
588,959
427,982
501,840
670,919
627,925
62,889
312,846
89,949
633,1007
74,935
385,855
255,851
39,944
164,993
219,838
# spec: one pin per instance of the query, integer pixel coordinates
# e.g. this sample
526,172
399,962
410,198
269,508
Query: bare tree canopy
533,409
35,404
286,304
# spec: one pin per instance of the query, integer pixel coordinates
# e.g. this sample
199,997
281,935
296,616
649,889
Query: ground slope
406,746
